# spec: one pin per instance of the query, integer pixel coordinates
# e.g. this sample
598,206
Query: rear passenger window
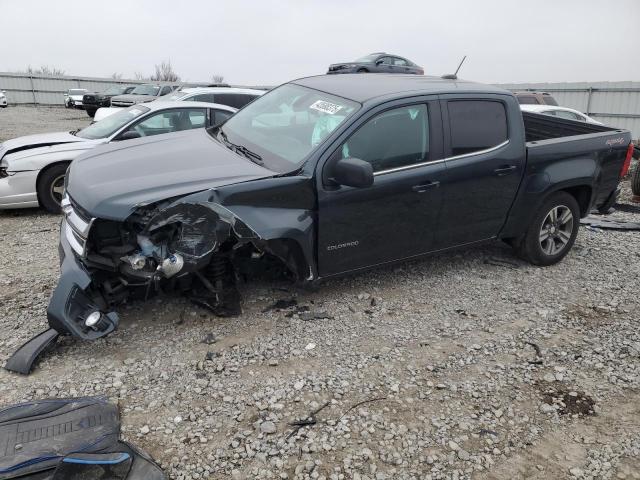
476,125
204,97
236,100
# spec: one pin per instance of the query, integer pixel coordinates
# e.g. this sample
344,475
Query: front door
396,217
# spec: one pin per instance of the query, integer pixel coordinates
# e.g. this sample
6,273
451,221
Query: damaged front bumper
193,246
73,307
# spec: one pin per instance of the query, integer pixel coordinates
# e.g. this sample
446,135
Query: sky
268,42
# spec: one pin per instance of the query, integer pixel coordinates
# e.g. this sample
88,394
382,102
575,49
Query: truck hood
14,153
110,181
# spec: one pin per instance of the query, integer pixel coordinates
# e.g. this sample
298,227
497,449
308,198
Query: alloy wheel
57,189
556,230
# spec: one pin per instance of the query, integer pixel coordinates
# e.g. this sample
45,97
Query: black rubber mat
34,437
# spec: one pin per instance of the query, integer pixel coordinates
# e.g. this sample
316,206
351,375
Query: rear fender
575,174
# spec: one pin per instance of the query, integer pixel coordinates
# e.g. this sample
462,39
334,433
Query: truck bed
593,152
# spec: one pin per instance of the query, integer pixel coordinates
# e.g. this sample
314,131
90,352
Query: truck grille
77,224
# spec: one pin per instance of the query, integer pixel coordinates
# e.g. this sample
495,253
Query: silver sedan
32,168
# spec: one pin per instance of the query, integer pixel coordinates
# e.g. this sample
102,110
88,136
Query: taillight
627,161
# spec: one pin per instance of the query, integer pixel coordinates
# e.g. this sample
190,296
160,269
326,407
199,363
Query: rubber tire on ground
528,247
635,180
44,186
362,70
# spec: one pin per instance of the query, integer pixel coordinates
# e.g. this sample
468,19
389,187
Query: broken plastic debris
607,224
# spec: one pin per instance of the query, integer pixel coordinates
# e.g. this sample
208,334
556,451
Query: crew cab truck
325,175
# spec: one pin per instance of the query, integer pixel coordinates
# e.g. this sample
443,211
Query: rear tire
50,187
362,70
635,181
552,232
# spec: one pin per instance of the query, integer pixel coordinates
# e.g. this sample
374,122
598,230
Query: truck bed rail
544,127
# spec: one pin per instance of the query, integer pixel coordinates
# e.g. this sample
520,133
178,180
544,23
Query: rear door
397,216
485,154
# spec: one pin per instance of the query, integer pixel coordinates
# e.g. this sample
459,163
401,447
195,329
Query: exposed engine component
171,265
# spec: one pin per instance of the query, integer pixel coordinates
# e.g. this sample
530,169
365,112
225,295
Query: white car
32,168
230,96
3,99
560,112
73,97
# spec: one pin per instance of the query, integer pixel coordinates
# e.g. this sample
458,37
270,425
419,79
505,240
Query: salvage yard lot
470,364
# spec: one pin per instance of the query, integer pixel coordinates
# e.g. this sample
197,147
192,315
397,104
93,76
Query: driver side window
392,139
170,121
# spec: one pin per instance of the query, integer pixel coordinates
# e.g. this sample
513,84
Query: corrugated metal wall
21,88
612,103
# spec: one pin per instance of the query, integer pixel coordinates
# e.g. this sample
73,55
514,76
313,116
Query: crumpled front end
194,246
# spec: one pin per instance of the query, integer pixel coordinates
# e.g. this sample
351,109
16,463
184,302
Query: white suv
3,99
230,96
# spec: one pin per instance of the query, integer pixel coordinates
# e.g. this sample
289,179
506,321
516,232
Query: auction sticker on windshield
326,107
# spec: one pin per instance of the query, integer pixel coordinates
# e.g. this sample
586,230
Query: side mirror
129,135
353,172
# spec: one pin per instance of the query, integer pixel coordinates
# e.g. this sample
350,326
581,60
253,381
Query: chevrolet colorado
325,175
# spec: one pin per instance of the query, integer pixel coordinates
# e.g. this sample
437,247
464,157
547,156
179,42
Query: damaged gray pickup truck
324,175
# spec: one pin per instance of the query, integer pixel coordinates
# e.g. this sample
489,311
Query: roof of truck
367,86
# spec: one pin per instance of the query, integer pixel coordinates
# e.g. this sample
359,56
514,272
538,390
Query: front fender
21,162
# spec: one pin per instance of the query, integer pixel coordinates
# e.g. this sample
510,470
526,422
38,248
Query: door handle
425,186
504,170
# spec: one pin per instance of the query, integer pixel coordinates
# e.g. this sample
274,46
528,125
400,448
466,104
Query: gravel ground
466,365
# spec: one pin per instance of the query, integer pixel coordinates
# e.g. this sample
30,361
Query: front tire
552,232
50,187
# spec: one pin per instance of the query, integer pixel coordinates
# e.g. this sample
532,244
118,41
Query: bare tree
45,70
165,73
216,78
140,76
116,76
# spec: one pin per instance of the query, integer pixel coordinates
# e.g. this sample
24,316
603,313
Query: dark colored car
324,176
93,101
535,98
379,62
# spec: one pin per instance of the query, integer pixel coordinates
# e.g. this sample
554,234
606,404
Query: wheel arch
516,225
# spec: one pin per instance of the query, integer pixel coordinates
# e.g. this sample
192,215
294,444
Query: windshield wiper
254,157
73,132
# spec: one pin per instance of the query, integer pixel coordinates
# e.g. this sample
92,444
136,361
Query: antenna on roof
454,76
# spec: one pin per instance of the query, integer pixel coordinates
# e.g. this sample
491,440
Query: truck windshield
145,90
285,125
111,124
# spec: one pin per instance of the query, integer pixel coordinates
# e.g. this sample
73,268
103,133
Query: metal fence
612,103
25,89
